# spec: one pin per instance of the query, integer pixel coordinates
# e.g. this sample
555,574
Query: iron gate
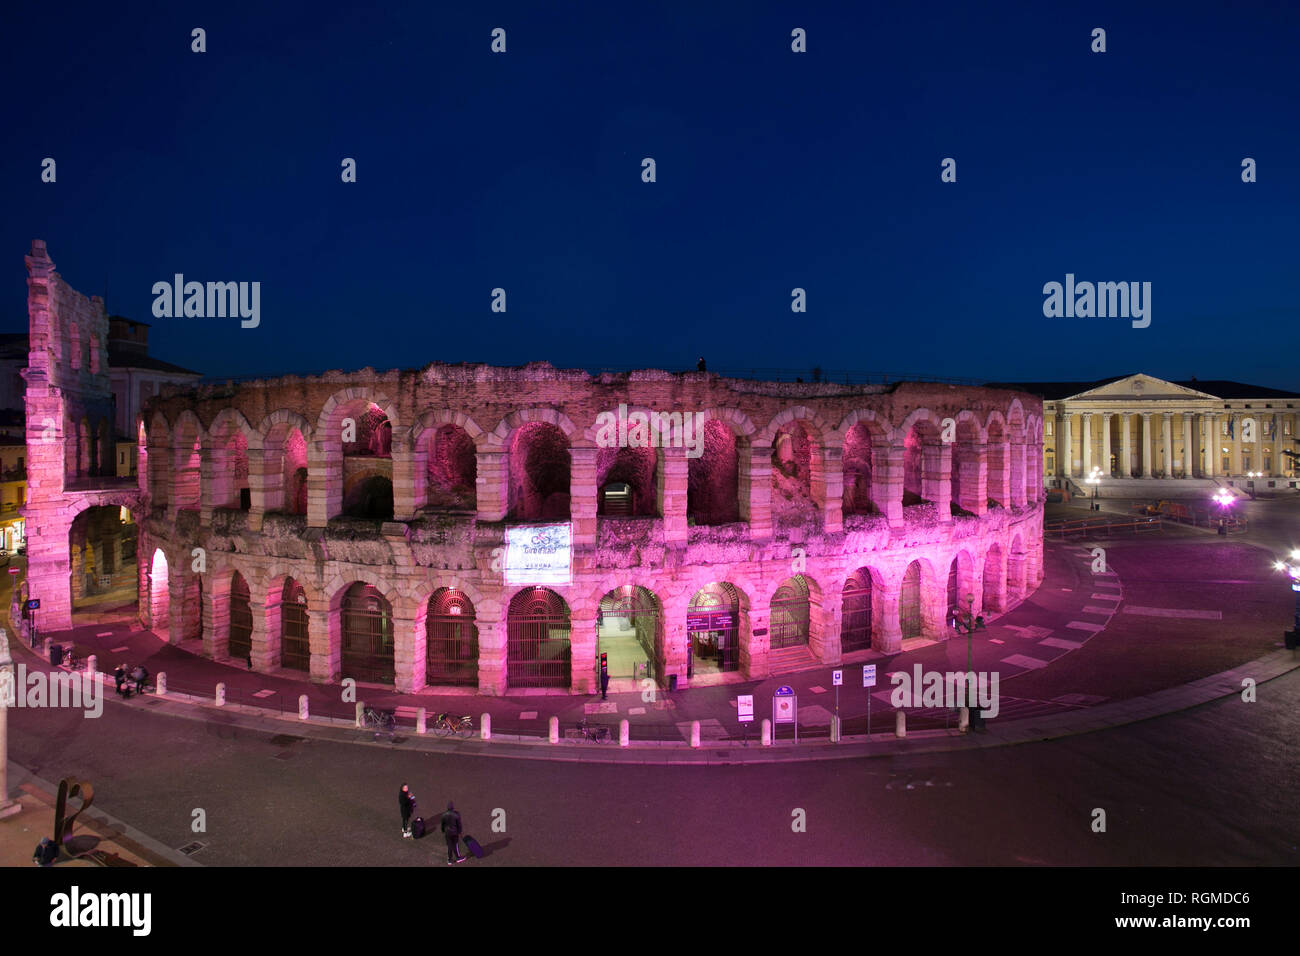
641,611
241,619
295,647
537,640
790,614
909,602
712,625
451,640
367,636
855,618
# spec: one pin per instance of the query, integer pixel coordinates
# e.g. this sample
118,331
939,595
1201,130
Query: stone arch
288,623
795,614
630,629
819,428
924,459
998,458
499,437
1017,570
159,593
864,441
187,445
718,634
539,471
961,584
995,580
967,475
284,438
227,446
860,609
448,618
539,651
713,479
364,618
330,420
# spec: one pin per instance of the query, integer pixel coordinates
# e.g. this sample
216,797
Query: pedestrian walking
604,683
451,830
119,676
47,851
139,675
406,803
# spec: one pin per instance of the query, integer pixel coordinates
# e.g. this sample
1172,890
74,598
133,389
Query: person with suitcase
406,804
451,828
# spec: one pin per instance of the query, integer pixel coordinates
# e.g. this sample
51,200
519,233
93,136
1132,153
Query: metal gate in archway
295,647
367,636
791,614
713,628
538,653
855,617
909,602
241,619
638,610
451,640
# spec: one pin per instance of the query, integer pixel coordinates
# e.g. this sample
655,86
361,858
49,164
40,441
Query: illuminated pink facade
355,524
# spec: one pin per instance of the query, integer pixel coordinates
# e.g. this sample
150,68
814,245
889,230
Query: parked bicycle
446,725
599,734
385,720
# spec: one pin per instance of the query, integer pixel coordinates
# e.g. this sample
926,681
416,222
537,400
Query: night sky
775,170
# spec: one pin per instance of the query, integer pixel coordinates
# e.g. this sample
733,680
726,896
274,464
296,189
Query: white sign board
868,675
539,554
837,678
745,708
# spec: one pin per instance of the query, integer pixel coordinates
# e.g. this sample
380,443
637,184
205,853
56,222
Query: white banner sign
539,554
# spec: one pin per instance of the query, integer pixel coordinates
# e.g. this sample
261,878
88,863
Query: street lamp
1224,500
1292,567
1250,481
1094,479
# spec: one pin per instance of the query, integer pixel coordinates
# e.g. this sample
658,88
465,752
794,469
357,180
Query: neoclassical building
1139,426
476,526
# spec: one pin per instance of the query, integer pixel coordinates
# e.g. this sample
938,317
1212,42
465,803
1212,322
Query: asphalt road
1212,786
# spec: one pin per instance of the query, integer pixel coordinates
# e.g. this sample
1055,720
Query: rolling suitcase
417,828
472,845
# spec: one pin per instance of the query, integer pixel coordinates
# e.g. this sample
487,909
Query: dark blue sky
775,170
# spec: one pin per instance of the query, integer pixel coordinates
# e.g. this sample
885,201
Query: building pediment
1141,388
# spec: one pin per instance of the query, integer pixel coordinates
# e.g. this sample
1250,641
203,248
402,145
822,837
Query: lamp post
1292,567
1250,481
1094,479
1224,501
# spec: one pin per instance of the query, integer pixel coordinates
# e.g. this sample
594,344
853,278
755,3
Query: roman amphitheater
471,526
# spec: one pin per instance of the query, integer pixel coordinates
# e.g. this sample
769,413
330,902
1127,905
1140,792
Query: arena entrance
295,646
713,630
241,619
627,630
451,640
538,653
855,618
101,555
367,635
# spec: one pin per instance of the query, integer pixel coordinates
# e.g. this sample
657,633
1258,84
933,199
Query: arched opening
295,644
451,640
965,470
229,451
857,465
793,460
451,469
367,450
101,557
1017,565
914,467
538,652
994,582
285,452
713,478
158,463
540,466
627,629
791,614
370,497
999,470
108,464
159,595
961,585
909,602
241,619
367,635
855,616
713,629
626,478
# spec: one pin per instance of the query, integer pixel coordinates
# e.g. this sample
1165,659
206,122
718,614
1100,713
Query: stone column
827,485
1257,453
404,651
1105,445
755,489
1126,447
265,656
1146,444
674,471
1276,444
1211,443
259,479
582,495
216,619
1019,473
1067,440
326,653
1189,447
1087,444
324,483
936,477
491,656
404,478
887,637
1166,431
582,646
492,485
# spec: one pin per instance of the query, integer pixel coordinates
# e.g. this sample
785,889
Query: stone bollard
624,732
900,723
92,665
360,713
695,733
767,732
554,732
221,694
421,721
45,648
485,727
963,719
302,707
160,685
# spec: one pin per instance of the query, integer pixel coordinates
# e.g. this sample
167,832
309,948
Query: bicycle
386,720
446,725
599,734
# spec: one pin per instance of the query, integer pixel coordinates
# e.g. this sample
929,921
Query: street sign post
837,678
868,681
745,714
785,710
